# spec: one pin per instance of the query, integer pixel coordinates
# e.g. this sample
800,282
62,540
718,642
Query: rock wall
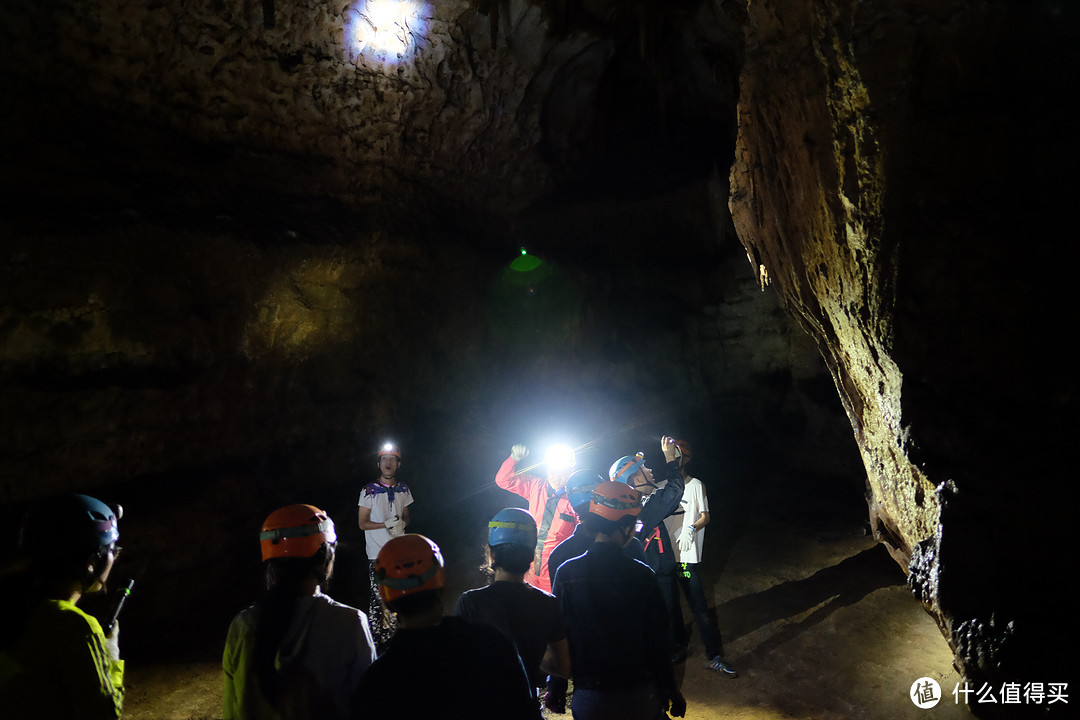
291,87
481,107
237,257
899,177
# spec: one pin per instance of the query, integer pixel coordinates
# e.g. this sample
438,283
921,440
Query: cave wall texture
902,168
241,248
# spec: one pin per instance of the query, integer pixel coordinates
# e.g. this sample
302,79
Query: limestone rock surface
898,175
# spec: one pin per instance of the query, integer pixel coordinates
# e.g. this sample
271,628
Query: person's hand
112,641
678,704
686,538
519,452
667,446
396,526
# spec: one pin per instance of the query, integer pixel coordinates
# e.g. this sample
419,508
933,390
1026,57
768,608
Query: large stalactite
898,180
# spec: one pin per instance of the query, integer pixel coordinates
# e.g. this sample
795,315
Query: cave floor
815,616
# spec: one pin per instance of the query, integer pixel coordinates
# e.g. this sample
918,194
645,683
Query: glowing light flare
385,30
559,457
525,262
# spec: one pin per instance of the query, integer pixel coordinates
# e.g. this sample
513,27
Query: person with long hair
297,653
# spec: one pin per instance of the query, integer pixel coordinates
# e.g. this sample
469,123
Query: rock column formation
901,179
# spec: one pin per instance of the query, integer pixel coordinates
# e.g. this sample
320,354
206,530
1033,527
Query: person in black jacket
615,620
658,501
525,614
420,674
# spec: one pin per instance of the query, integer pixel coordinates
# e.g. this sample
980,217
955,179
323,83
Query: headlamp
559,457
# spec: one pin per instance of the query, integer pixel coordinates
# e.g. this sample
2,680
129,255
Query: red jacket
561,525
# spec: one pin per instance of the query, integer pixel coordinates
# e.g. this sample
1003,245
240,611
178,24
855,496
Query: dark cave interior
238,253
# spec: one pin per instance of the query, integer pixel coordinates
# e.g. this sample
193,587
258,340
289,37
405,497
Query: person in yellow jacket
62,664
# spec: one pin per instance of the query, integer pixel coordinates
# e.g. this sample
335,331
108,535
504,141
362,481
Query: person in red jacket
548,503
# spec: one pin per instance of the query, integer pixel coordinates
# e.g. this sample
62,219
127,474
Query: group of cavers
584,595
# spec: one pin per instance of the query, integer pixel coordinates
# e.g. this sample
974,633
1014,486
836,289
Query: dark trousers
669,588
689,580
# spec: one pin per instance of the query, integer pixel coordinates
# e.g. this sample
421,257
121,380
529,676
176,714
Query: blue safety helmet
580,486
512,526
69,523
626,467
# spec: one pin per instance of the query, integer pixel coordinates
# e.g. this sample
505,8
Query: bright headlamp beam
559,457
385,30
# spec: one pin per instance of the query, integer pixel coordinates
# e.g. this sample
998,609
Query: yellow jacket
61,668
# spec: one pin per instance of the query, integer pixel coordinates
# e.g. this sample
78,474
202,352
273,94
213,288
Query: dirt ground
814,615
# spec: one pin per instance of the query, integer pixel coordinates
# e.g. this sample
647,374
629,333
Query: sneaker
555,702
720,666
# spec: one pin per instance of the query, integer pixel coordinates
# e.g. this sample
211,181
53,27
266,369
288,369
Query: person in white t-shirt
686,527
383,513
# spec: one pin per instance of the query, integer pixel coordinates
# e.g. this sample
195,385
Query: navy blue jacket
579,543
616,621
653,535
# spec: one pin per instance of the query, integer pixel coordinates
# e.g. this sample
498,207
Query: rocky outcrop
898,180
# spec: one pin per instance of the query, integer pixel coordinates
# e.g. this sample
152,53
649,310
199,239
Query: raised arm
509,479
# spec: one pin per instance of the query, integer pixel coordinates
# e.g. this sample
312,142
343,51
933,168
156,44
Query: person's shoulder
533,591
330,605
246,619
576,563
627,562
470,598
65,617
473,592
480,634
372,488
524,593
577,560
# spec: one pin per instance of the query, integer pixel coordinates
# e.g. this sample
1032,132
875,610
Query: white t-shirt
376,497
694,502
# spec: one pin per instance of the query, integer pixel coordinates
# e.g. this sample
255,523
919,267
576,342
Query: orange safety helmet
684,448
408,564
614,501
389,448
296,531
